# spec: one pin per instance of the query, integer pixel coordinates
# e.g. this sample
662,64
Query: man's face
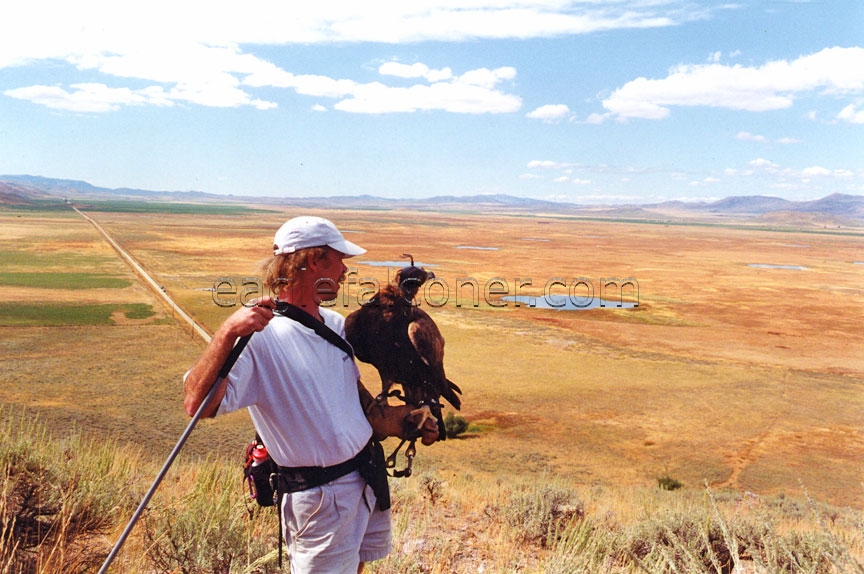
330,272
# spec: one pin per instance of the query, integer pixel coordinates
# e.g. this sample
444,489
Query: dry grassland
750,378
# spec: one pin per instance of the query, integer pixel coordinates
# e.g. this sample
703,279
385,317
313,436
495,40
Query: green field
63,280
129,206
52,315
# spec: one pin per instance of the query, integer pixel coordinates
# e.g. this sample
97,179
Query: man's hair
286,267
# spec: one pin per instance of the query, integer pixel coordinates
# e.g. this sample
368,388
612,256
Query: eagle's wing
427,339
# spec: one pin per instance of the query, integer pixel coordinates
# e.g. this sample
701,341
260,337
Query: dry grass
64,501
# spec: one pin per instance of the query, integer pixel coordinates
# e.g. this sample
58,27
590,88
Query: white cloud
548,164
747,136
815,171
549,114
474,92
851,114
471,93
785,176
705,181
195,50
763,163
486,78
320,86
86,98
449,20
417,70
772,86
270,75
597,119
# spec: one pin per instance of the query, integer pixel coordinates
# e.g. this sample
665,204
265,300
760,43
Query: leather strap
293,312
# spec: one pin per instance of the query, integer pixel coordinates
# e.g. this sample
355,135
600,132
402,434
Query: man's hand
204,372
248,320
402,421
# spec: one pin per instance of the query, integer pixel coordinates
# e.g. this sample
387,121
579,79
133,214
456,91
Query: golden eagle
393,334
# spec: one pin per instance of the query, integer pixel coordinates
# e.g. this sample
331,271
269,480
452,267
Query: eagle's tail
451,396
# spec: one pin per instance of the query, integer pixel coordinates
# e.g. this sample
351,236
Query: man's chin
327,298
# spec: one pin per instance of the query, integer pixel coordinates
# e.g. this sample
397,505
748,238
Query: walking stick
223,372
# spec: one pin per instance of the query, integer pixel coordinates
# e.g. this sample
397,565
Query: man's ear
311,261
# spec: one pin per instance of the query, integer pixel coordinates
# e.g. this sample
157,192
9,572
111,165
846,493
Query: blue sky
592,101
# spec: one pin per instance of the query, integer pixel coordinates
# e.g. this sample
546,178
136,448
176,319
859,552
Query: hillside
833,210
837,204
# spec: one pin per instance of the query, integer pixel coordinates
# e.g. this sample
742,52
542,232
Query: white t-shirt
301,392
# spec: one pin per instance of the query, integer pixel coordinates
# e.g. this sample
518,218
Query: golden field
743,377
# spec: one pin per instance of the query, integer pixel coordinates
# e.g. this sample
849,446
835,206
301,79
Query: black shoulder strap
307,320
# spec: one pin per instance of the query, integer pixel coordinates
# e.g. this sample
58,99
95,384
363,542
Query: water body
768,266
560,303
476,247
399,264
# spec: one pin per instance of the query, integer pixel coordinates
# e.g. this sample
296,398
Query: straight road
145,277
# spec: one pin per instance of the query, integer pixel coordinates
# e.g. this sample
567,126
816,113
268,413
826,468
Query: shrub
668,483
57,497
206,528
454,425
537,513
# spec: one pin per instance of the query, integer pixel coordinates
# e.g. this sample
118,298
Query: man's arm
204,372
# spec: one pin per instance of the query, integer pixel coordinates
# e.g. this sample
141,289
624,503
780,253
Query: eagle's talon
415,421
425,414
378,402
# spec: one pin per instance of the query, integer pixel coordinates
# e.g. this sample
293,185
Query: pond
768,266
560,303
400,264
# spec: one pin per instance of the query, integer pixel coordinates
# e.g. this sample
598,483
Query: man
307,403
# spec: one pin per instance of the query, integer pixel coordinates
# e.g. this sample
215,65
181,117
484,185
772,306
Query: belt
296,478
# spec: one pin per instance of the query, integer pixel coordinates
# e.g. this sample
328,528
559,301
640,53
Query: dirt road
146,278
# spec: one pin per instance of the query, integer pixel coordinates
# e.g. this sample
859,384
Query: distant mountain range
835,204
835,208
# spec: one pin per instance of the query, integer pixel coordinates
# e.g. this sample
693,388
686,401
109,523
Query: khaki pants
332,528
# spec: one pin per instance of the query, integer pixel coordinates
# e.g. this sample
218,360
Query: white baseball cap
308,231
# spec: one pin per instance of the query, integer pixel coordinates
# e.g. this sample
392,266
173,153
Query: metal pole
223,372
